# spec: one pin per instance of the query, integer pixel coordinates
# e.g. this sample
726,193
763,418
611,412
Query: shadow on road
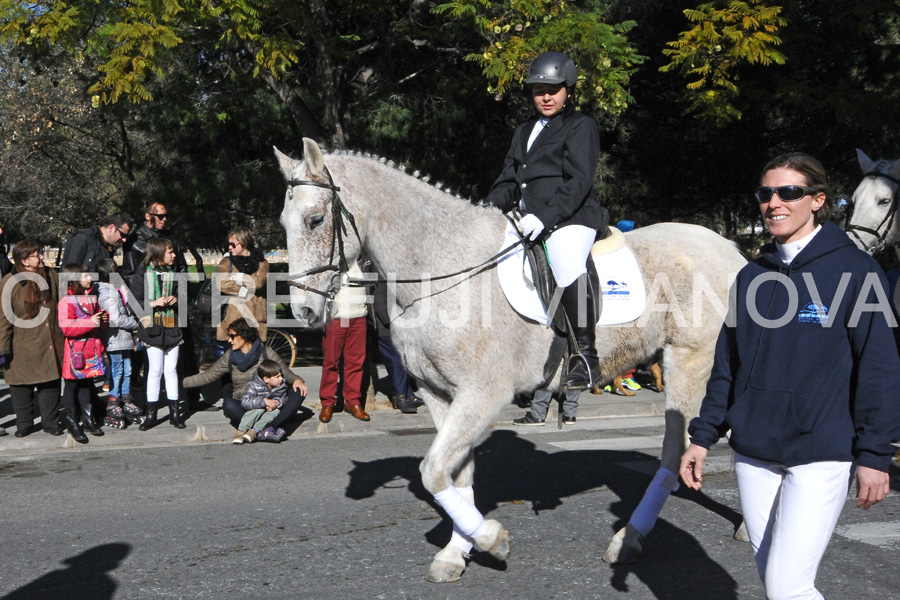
87,576
510,468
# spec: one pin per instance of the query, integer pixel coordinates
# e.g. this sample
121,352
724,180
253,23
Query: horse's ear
286,163
866,164
315,162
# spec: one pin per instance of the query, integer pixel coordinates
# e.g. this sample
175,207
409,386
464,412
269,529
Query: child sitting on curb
262,399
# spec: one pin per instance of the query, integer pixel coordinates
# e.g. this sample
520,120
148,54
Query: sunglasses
160,216
233,244
231,336
788,193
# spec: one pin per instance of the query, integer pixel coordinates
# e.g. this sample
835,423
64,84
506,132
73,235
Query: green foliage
724,37
516,31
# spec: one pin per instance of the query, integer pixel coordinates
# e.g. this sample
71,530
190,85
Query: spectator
156,217
541,403
89,246
263,398
119,342
403,397
81,319
345,338
31,342
155,286
811,400
245,266
240,362
5,265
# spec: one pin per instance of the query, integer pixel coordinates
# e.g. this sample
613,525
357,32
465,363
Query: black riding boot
73,426
174,417
87,418
150,418
584,367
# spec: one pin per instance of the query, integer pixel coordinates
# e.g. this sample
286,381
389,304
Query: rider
548,174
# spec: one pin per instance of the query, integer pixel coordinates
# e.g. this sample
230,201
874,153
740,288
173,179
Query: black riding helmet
552,67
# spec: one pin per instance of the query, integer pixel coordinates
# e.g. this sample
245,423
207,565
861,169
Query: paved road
338,512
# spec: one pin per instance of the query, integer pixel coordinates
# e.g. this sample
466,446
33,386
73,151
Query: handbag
76,358
204,301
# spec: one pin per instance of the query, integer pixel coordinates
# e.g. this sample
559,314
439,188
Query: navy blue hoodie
820,379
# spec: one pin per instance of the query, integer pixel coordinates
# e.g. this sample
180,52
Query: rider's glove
531,227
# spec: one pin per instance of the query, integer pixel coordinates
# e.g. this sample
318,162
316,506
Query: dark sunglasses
231,336
788,193
233,244
160,215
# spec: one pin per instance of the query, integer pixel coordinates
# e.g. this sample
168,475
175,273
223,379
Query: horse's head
874,223
315,242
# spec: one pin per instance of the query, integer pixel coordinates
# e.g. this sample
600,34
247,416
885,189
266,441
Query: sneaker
631,384
528,419
418,402
568,420
268,435
249,436
238,437
608,388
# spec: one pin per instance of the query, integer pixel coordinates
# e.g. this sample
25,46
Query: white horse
874,224
467,349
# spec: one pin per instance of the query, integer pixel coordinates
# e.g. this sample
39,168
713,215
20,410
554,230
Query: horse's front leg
447,472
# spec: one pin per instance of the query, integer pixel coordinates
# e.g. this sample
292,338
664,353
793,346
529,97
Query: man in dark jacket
155,220
90,246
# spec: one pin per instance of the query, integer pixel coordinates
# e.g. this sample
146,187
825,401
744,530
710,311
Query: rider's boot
584,367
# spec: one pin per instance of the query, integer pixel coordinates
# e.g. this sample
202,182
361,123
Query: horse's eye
315,222
884,201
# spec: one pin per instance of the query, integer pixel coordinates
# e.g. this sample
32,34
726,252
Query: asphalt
211,427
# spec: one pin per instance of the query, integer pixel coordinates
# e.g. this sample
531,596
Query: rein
879,235
339,230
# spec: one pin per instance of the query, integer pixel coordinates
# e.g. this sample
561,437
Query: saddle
611,240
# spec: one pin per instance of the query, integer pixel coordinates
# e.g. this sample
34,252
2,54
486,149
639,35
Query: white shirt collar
788,252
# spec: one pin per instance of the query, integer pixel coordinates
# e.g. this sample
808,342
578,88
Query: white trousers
568,249
790,513
162,363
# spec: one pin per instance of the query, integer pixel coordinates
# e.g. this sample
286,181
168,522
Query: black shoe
528,419
73,427
568,420
584,367
418,402
20,433
174,417
54,431
87,420
404,404
150,419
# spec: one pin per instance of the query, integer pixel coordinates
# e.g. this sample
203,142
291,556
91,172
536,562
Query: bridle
338,230
339,213
887,222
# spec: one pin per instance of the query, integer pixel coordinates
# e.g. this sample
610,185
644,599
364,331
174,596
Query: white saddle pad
621,281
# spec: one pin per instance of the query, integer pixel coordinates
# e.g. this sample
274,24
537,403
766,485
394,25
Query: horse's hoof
741,534
625,547
495,540
448,565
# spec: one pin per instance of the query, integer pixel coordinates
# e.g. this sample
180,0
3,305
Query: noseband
887,222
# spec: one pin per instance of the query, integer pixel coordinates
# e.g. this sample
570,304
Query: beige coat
37,352
256,302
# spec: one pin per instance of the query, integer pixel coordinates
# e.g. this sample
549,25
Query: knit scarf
35,297
162,284
243,362
248,264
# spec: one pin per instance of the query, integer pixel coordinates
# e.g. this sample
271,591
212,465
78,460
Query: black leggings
83,389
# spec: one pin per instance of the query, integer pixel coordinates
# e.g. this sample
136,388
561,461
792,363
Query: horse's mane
433,196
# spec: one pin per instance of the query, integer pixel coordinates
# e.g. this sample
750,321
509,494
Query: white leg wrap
644,517
457,539
464,515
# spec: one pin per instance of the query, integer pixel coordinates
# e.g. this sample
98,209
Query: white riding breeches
790,514
568,249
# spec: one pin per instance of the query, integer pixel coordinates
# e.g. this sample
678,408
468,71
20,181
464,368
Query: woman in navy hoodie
806,376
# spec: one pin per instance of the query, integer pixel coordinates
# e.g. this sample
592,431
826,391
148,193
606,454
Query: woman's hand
691,469
872,486
271,404
300,385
